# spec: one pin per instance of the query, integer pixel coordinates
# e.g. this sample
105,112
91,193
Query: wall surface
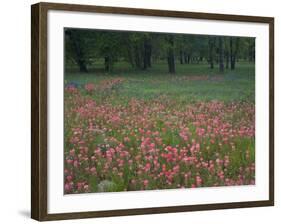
15,111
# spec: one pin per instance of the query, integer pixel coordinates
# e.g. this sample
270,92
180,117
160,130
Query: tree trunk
171,63
78,51
82,66
130,56
233,52
181,57
232,59
146,54
221,54
227,60
211,52
171,57
185,57
251,53
145,57
188,58
137,57
149,54
108,63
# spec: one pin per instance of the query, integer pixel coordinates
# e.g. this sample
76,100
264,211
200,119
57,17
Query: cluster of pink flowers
105,86
71,89
89,87
156,144
110,84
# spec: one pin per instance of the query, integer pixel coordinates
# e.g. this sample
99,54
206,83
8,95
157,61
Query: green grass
232,85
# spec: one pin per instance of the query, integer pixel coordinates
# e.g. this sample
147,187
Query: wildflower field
126,132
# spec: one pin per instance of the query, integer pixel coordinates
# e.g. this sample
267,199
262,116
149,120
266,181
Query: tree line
141,49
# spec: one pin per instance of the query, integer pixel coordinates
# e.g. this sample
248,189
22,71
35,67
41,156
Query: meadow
145,130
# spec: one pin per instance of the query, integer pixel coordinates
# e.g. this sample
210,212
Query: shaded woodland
142,49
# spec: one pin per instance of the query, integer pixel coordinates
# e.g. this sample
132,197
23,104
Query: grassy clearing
185,85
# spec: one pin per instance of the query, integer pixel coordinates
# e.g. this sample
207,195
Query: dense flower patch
155,144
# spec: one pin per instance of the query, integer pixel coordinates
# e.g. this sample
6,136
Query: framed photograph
139,111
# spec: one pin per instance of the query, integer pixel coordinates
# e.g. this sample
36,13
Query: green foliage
142,50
